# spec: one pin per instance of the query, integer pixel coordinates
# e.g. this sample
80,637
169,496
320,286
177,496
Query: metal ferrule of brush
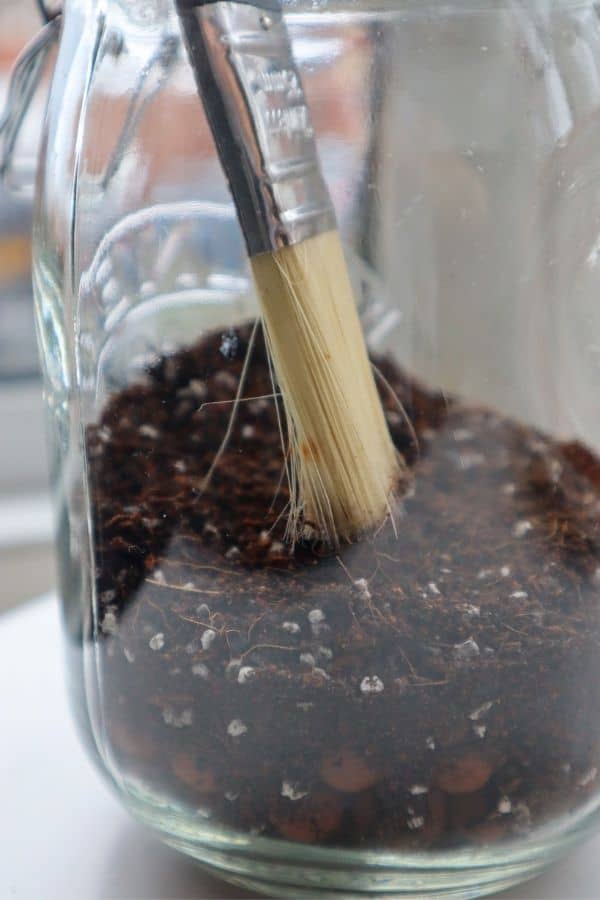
254,101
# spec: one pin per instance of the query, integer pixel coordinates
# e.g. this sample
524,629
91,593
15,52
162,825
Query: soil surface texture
433,684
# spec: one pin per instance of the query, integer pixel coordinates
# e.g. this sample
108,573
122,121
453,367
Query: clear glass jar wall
416,712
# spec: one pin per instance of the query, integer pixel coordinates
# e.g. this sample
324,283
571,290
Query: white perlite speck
415,822
189,586
200,670
430,743
588,777
505,571
322,673
316,616
521,528
256,407
481,710
157,641
207,638
467,461
245,674
182,719
149,431
433,588
159,575
231,796
291,791
471,609
417,789
537,445
109,623
325,652
469,649
480,730
129,655
150,522
362,586
236,728
371,684
197,388
291,627
519,595
225,379
504,806
556,470
308,659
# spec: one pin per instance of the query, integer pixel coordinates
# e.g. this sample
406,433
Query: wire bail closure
24,81
50,10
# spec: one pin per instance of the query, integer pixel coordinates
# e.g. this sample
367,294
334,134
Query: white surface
25,519
64,836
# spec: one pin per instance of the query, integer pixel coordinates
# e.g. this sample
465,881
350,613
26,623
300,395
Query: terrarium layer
435,682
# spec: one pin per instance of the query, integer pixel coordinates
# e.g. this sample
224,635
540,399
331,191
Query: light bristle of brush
342,464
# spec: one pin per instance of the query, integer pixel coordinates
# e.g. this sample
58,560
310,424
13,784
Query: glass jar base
278,868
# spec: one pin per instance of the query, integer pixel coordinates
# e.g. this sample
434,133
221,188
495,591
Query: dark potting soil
430,685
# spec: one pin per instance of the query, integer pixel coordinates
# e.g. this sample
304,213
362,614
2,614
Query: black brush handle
230,148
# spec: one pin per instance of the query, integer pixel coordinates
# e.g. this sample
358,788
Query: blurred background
26,564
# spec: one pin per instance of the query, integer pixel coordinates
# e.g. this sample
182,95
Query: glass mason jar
416,712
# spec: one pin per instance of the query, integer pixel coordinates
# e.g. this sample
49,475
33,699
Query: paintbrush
341,463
